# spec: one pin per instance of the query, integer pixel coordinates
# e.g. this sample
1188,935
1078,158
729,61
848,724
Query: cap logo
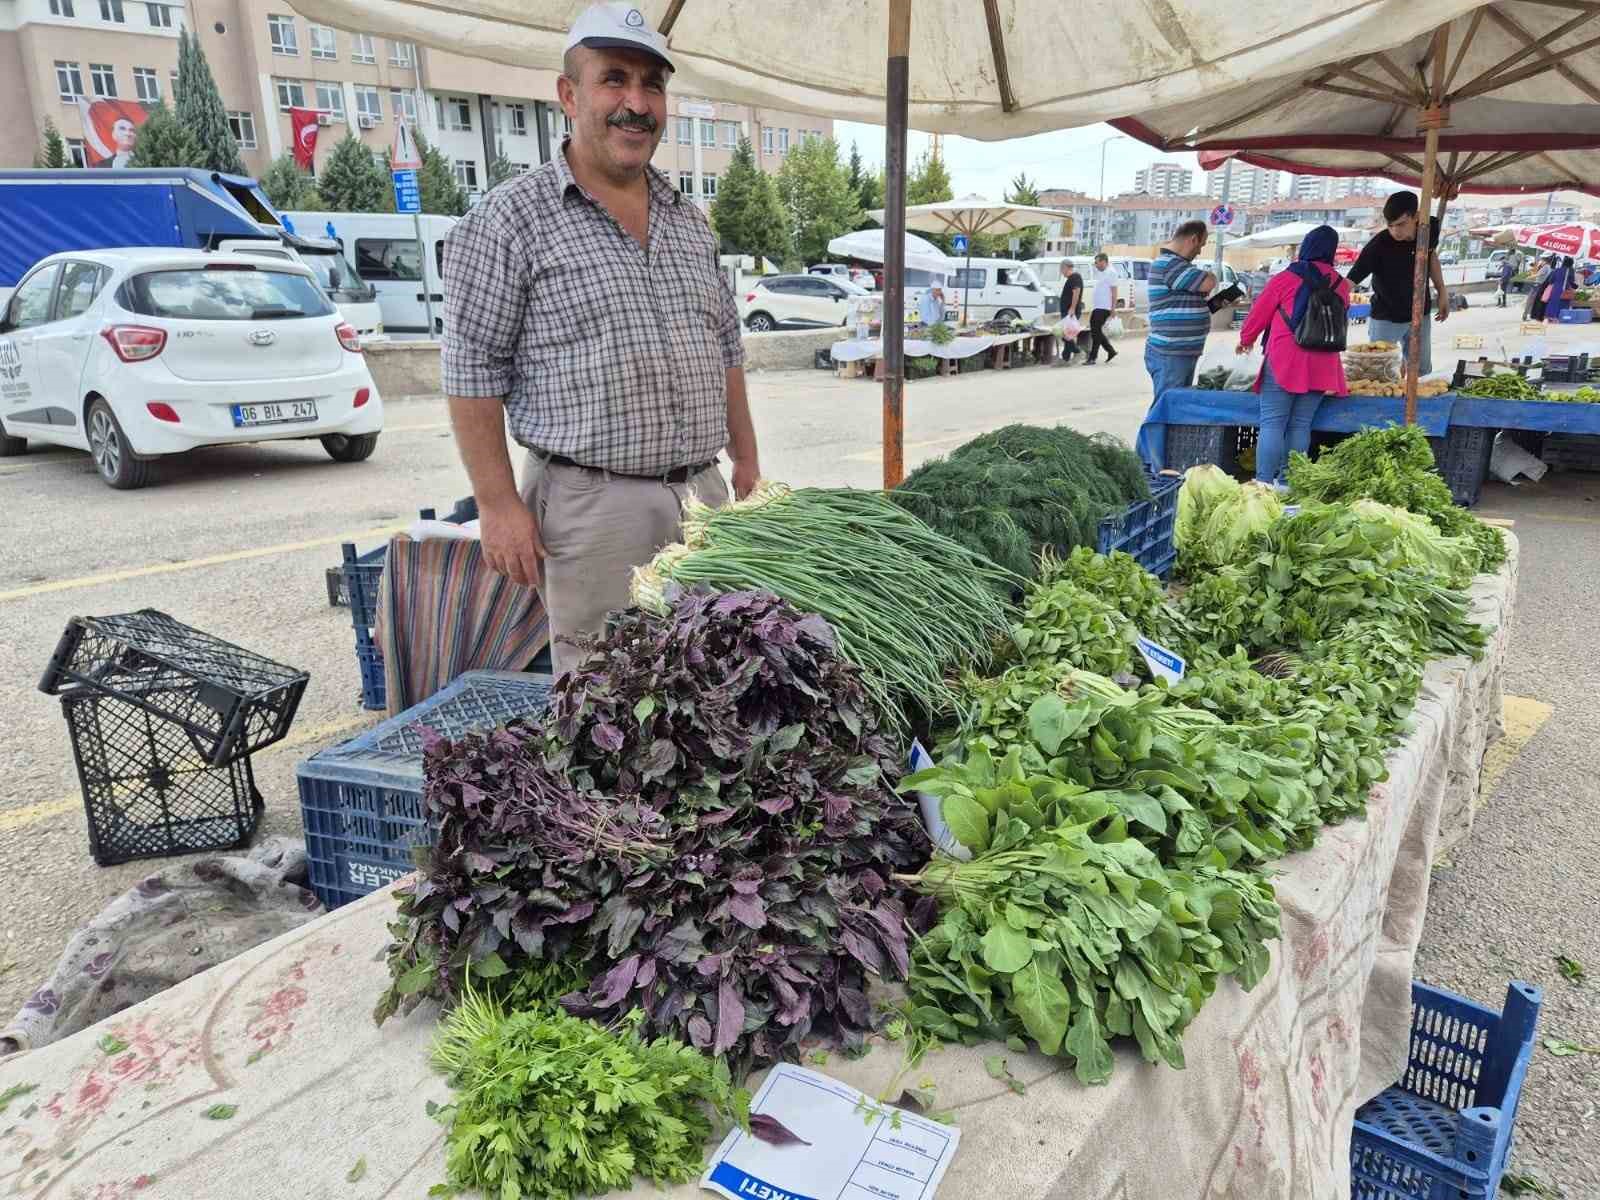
635,18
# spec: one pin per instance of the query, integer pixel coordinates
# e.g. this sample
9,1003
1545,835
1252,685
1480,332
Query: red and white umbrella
1578,240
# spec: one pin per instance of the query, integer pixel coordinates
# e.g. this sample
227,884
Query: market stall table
1262,1111
870,350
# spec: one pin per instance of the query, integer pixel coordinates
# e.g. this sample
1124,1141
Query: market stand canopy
1581,239
1520,88
867,245
999,69
972,215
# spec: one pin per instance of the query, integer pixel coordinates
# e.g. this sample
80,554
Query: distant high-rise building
1164,179
1309,187
1243,184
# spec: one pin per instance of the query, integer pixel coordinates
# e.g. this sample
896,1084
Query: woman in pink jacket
1293,381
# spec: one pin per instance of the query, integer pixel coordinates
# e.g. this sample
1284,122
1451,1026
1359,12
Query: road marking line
211,560
30,814
1523,718
1557,518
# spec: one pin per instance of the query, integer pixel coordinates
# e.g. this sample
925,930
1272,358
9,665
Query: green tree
502,168
288,187
437,181
1025,191
815,189
352,180
164,141
199,109
747,214
52,152
928,181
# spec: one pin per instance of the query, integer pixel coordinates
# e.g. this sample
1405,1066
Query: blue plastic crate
1144,530
1462,457
1445,1130
361,802
1575,316
369,658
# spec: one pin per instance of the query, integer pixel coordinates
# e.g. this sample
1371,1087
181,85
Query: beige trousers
596,528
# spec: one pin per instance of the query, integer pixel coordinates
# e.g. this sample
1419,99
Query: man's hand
510,538
1444,307
746,474
1208,283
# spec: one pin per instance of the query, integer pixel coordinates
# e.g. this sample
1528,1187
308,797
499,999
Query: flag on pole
304,123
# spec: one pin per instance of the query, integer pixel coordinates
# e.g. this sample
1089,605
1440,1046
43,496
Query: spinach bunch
1063,623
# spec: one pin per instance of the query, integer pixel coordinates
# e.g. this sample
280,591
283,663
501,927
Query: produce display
1214,379
1425,388
1019,491
1371,362
1578,395
941,334
1504,385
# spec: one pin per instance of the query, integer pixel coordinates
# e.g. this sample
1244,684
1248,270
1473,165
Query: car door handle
437,297
80,337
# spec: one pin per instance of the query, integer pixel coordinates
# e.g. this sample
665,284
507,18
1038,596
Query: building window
519,119
75,154
686,182
369,105
767,140
453,113
361,49
783,141
521,168
404,104
324,42
330,99
68,81
467,173
172,81
243,127
401,54
147,85
281,31
103,78
730,135
160,16
708,186
291,94
62,8
685,131
111,10
708,133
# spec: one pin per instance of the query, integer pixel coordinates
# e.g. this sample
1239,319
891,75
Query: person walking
1293,380
1508,271
586,312
1071,310
1102,304
1389,259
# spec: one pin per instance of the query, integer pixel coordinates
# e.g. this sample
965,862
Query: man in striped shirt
1179,316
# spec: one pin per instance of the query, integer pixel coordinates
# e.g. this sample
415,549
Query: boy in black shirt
1389,259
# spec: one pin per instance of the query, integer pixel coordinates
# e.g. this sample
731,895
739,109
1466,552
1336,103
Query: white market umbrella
868,246
1294,233
991,70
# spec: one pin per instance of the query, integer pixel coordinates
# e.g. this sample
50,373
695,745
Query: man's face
1101,263
124,134
618,106
1191,246
1404,229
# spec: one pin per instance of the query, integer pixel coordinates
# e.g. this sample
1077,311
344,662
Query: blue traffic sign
959,243
407,194
1222,215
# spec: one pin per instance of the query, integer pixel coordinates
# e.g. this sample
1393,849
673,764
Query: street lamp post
1116,137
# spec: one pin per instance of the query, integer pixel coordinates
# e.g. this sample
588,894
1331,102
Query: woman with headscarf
1533,308
1293,380
1558,292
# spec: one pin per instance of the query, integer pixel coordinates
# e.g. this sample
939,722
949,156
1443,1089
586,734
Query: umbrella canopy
1578,240
867,245
1518,94
1294,233
972,215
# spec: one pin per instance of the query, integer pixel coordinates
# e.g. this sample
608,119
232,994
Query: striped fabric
442,611
1179,318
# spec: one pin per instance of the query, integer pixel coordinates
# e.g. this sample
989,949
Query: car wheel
113,457
10,446
350,447
1007,314
760,323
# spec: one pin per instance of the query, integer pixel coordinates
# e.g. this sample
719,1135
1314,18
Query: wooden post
1430,120
894,243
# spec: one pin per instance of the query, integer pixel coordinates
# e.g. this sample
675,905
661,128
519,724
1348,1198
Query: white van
356,301
996,289
1134,291
383,250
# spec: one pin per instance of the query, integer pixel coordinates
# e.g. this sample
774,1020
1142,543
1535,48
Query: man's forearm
741,428
480,428
1437,273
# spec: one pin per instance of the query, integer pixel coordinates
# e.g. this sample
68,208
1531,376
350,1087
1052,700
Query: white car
137,353
797,302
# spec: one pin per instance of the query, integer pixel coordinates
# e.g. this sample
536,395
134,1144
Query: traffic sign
404,156
1222,215
959,243
407,195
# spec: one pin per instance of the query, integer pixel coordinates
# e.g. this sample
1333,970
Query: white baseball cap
617,27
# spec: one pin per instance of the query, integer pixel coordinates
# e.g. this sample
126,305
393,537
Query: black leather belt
675,475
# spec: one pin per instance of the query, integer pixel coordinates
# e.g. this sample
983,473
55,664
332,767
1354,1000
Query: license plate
282,412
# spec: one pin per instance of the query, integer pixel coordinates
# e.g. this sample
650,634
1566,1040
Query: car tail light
162,411
135,343
362,396
348,337
750,298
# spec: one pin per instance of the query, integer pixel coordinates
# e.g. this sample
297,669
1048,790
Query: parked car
806,301
132,354
996,289
1134,291
357,301
382,249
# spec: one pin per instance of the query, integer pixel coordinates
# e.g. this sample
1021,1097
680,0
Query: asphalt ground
236,542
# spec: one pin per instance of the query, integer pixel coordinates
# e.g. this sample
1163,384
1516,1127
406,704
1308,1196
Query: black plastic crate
1571,451
1223,445
1462,457
228,700
147,790
369,658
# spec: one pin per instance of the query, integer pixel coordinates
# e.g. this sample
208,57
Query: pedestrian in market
1508,271
1293,380
1559,291
1103,302
1533,307
930,307
586,311
1071,310
1179,319
1389,259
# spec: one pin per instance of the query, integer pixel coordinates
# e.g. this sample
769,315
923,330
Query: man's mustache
632,120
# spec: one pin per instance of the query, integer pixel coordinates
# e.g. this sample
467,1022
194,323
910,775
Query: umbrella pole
966,281
894,243
1431,120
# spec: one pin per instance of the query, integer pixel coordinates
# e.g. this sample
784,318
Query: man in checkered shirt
586,310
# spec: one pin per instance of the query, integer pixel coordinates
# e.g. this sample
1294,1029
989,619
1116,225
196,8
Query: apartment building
1164,179
1091,222
1241,183
266,59
1140,220
1354,212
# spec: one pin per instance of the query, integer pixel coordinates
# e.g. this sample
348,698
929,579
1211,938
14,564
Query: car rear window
223,295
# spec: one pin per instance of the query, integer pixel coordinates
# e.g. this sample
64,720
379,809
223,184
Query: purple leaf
607,737
616,983
747,883
699,1032
781,803
854,1003
578,913
774,1132
748,911
730,1018
863,949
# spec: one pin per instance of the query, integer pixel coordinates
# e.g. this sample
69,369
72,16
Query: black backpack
1326,323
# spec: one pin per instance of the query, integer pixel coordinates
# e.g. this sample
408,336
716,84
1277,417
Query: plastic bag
1223,370
1114,327
1071,327
1246,369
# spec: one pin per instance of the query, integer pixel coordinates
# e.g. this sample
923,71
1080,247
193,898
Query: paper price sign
1163,663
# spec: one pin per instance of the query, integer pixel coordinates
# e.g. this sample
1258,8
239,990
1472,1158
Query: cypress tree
164,141
200,110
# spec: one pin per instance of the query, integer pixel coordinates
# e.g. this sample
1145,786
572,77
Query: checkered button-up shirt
605,351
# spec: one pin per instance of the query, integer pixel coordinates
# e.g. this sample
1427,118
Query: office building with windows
1164,179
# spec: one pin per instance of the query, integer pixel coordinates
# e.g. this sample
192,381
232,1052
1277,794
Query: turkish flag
304,122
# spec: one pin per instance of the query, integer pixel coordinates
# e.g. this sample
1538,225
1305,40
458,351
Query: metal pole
1431,120
897,95
422,268
966,281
